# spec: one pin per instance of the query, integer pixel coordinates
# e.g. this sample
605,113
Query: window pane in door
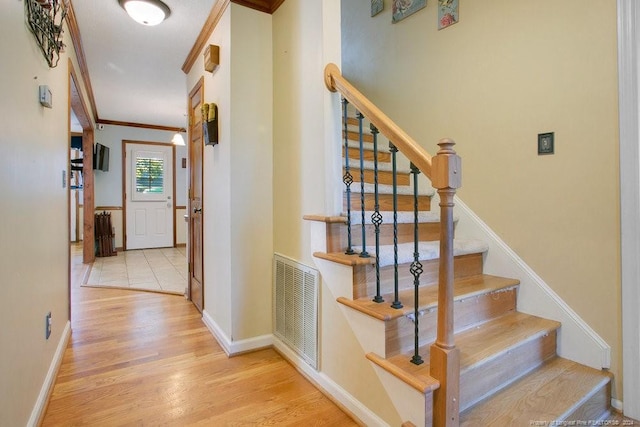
149,175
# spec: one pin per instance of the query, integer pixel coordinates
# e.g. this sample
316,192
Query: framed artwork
376,7
403,8
447,13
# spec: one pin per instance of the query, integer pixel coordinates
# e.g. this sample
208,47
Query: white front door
149,195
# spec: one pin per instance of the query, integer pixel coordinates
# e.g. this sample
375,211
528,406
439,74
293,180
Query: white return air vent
296,307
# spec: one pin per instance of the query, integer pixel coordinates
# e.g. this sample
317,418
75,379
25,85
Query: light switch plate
545,143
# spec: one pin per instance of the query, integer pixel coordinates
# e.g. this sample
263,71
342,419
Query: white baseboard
233,348
617,404
577,340
330,387
41,403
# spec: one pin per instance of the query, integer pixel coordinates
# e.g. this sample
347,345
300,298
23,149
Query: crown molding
266,6
207,29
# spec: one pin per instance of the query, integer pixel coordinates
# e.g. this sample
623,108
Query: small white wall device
45,96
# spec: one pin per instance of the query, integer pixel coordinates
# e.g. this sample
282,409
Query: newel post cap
446,166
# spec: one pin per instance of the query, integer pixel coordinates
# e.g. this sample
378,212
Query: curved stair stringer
577,341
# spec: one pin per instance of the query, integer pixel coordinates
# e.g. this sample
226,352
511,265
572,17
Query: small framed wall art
403,8
448,13
376,7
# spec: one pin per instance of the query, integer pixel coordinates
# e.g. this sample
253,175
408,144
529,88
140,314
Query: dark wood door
196,269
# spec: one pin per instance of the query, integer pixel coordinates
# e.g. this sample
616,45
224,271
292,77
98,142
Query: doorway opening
79,125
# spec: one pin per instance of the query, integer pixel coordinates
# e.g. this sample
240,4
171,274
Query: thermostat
45,96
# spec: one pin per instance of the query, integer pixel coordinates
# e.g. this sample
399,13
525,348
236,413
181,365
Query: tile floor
162,270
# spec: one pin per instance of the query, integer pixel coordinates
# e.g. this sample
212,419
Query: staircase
509,371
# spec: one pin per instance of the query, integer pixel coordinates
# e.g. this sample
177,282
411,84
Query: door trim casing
198,87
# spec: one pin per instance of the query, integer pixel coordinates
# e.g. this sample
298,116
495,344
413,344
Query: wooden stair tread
428,296
428,251
354,167
329,219
552,392
354,136
499,335
401,217
479,346
424,217
382,148
405,190
352,121
414,375
344,259
490,339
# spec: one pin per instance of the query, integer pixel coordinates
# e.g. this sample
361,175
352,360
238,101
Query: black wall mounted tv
101,157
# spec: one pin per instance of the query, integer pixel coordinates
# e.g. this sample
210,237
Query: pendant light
178,139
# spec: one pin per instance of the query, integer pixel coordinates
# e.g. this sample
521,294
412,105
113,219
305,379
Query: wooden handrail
446,177
410,148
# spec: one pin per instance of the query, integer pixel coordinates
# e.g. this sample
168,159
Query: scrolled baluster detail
347,178
416,270
396,298
364,253
376,217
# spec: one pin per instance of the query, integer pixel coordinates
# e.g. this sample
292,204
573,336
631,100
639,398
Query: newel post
445,357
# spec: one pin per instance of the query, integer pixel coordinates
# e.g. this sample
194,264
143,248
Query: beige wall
299,153
217,177
306,149
34,242
238,203
252,171
511,69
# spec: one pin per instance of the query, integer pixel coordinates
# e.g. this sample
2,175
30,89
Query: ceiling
134,71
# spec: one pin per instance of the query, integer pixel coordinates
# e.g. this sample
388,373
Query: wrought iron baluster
416,269
396,299
347,178
376,217
364,253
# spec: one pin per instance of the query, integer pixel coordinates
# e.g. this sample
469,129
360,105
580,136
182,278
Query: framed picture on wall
447,13
376,7
403,8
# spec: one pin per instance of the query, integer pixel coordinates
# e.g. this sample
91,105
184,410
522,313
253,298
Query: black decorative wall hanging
44,18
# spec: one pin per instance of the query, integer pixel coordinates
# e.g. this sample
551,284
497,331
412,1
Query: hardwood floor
141,358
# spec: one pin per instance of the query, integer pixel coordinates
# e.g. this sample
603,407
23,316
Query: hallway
146,358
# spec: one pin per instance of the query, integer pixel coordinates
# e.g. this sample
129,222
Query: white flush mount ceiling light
146,12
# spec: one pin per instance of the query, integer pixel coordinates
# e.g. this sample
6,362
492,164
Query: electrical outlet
47,330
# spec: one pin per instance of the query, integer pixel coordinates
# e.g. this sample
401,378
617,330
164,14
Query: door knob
197,210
